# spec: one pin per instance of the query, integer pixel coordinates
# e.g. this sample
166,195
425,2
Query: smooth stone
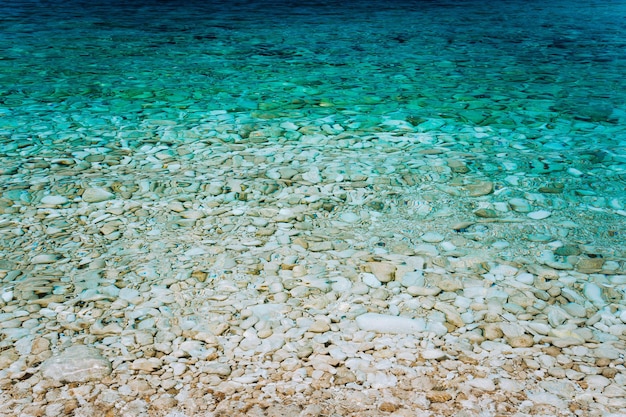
432,237
594,294
54,200
510,385
448,246
96,195
511,330
575,310
567,250
452,315
589,265
525,278
383,271
484,384
426,249
416,291
146,364
341,284
547,399
370,280
349,217
480,189
538,237
313,175
382,323
435,354
76,364
486,213
522,341
500,244
557,316
539,214
437,396
44,258
597,382
520,205
416,278
319,326
606,352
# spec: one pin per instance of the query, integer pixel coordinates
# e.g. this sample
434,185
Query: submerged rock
76,364
382,323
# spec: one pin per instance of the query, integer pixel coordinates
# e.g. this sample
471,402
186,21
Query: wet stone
76,364
96,195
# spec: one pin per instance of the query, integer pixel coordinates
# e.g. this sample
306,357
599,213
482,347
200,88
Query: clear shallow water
538,86
527,96
545,81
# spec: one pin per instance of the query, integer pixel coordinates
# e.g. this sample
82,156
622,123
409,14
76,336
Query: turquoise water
540,86
519,64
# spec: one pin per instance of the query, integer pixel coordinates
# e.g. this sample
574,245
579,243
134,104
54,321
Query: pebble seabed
310,258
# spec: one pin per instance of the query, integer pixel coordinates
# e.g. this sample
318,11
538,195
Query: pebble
382,323
520,205
54,200
319,326
484,384
594,294
383,271
349,217
539,214
96,195
76,364
432,237
370,280
44,258
416,279
607,352
433,354
146,365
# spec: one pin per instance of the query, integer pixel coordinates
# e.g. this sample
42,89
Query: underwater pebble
76,364
44,258
96,195
520,205
539,215
432,237
383,271
54,200
381,323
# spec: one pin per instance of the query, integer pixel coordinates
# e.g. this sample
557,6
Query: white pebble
349,217
539,214
525,278
432,237
96,195
54,200
435,354
594,294
7,295
381,323
44,258
370,280
448,246
520,205
575,172
484,384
